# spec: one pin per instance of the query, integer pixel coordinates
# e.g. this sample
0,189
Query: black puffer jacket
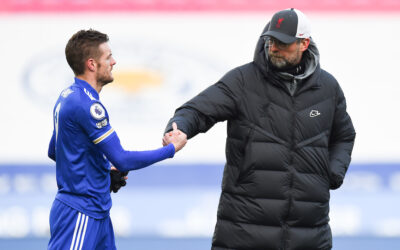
283,154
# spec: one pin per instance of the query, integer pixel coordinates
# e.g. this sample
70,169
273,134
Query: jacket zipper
291,86
291,177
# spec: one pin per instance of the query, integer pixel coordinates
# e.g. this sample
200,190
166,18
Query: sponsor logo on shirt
102,124
314,113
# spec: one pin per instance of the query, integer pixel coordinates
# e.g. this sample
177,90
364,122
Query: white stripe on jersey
76,229
104,136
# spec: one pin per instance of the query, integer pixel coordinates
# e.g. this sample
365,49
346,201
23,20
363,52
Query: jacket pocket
246,166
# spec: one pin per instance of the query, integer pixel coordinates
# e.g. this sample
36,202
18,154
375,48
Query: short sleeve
93,118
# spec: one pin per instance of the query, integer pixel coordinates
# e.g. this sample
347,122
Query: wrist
172,149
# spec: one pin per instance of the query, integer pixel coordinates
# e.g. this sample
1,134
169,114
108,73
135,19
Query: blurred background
167,51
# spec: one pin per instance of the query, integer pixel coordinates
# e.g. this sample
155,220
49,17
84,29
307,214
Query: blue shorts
73,230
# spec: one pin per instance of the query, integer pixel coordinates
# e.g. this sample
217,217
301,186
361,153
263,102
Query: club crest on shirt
97,111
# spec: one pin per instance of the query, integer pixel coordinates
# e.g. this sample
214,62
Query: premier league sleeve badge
97,111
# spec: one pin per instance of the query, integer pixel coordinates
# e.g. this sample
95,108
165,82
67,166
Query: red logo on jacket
280,20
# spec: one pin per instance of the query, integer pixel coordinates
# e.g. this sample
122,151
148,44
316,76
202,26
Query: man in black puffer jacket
289,142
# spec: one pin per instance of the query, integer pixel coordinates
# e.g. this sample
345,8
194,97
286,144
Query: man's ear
304,44
91,64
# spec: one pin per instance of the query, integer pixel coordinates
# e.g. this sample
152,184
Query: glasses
278,44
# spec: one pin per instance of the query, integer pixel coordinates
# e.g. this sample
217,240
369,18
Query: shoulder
68,99
238,74
240,70
73,98
327,78
82,103
329,82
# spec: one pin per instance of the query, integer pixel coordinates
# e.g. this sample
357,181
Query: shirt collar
87,87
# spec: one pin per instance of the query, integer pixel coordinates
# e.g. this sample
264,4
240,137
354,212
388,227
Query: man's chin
278,63
107,81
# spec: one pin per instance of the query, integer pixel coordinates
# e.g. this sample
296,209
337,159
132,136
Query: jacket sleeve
216,103
341,142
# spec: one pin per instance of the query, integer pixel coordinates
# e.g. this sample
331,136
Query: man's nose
273,47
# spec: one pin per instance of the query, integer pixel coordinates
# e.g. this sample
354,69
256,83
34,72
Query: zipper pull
291,85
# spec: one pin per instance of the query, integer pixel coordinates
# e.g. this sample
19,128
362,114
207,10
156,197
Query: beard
105,78
104,81
282,62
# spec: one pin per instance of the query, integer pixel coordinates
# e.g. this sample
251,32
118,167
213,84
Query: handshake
176,137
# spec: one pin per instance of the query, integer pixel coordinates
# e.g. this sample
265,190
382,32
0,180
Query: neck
92,81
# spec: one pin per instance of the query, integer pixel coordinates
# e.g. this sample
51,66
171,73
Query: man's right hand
176,137
118,179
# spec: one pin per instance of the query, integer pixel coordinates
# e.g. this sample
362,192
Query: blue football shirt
80,122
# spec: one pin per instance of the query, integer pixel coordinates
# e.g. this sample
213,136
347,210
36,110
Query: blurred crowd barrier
181,201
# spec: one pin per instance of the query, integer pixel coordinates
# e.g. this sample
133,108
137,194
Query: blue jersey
82,133
80,122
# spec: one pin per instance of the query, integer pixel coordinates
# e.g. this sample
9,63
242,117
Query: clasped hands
176,137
